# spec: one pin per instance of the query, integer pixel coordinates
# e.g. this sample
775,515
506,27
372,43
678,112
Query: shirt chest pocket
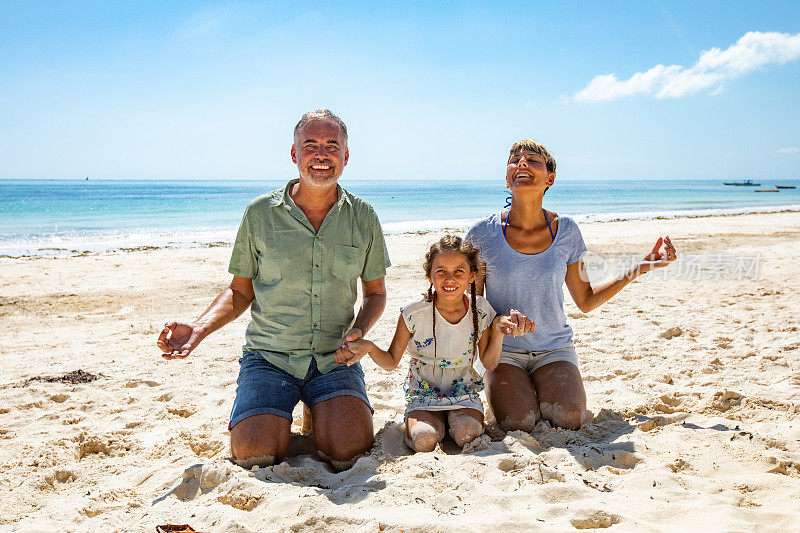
346,262
269,272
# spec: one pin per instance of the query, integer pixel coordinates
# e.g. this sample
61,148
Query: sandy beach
692,375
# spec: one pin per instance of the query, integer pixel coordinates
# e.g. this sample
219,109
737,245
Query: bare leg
308,424
260,440
512,397
465,425
562,398
424,429
342,429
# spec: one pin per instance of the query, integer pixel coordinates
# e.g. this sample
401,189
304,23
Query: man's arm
178,339
372,306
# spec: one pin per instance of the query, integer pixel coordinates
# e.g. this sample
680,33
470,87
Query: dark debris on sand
75,377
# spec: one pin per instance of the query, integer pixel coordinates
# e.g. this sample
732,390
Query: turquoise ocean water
55,217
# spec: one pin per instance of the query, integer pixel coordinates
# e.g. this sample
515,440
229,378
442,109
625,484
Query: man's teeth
321,167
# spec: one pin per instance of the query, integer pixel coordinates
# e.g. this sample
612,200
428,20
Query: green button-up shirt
305,280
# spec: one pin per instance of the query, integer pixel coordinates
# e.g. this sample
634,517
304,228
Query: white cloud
753,50
789,150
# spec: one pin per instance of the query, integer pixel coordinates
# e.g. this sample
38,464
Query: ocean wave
77,243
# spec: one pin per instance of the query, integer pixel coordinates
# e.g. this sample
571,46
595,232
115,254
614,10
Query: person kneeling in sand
444,332
297,257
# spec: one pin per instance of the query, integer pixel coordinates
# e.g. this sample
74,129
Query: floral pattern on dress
449,382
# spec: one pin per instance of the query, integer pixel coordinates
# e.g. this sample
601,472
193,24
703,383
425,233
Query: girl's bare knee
423,437
465,430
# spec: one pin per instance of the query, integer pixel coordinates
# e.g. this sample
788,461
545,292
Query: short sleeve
407,319
377,258
244,259
577,247
486,314
474,237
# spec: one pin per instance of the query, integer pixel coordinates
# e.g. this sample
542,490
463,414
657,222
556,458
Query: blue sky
433,90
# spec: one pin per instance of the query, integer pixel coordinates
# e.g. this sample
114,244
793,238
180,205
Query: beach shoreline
428,227
692,375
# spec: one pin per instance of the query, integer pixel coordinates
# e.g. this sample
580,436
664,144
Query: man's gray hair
320,114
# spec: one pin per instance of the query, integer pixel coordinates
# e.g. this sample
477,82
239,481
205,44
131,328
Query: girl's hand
514,323
657,259
359,348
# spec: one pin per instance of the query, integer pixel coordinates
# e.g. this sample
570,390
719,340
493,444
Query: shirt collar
281,196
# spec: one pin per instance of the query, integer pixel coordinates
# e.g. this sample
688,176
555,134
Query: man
297,256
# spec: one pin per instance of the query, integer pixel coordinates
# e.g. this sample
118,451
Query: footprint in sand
668,404
672,333
240,500
139,383
203,478
661,421
594,519
110,445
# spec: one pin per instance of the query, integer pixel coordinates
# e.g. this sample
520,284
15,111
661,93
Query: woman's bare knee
564,415
520,421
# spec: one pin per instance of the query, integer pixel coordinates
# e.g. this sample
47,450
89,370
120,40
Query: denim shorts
263,388
532,361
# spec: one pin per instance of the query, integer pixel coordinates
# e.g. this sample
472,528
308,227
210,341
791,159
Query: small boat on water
767,190
745,183
786,186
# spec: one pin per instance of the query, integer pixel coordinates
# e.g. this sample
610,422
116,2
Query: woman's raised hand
656,258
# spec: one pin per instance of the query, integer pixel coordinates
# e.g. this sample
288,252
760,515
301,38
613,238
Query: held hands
514,323
178,339
352,349
657,259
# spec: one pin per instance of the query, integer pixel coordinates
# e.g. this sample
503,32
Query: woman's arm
387,360
588,298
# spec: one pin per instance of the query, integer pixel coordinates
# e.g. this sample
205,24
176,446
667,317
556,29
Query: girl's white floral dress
451,383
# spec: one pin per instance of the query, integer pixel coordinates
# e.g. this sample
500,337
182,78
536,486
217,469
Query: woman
529,252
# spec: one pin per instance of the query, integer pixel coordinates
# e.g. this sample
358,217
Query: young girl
445,332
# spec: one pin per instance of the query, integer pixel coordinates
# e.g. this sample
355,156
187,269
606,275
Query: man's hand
514,323
359,349
343,355
178,339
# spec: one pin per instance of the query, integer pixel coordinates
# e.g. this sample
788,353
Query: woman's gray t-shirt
529,283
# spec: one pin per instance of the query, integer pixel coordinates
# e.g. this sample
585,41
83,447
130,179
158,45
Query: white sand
694,382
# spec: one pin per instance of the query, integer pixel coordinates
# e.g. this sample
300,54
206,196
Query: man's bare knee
343,448
260,439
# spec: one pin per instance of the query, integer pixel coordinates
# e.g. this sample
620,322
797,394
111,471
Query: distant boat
786,186
766,190
745,183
